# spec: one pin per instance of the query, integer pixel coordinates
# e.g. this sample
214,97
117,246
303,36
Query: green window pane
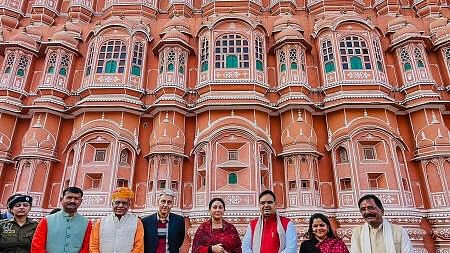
407,66
20,72
294,65
259,65
231,61
171,67
181,70
232,178
380,66
63,71
204,66
356,63
283,67
51,70
136,71
420,64
329,67
8,70
111,67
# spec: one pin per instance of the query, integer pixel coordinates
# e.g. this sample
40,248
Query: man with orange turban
120,231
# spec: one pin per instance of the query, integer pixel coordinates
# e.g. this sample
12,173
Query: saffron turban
122,193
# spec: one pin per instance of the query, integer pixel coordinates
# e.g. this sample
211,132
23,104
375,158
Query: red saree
206,237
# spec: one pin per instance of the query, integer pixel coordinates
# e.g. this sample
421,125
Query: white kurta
117,236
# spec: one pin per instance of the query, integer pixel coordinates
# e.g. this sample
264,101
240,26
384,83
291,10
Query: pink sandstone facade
321,101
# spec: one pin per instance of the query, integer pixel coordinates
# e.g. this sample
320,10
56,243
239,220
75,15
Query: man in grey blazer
163,231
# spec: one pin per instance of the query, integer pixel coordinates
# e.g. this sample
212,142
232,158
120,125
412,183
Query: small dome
167,136
298,136
35,31
396,24
288,33
38,138
177,22
406,31
285,21
443,32
174,34
24,38
437,24
71,28
65,37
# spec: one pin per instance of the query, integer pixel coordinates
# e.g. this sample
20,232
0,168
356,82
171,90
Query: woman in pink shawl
216,235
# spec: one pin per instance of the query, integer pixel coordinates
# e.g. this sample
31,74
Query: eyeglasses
118,202
269,202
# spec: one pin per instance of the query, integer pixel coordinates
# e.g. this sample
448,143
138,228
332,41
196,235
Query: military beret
16,198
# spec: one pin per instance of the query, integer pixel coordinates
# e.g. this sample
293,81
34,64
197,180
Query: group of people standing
67,231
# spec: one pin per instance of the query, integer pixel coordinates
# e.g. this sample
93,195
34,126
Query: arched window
51,63
136,62
9,62
378,55
354,53
111,58
293,58
447,57
328,56
259,54
420,62
342,155
124,156
23,65
204,58
182,62
406,59
90,59
302,61
171,61
161,63
282,61
232,51
232,178
64,65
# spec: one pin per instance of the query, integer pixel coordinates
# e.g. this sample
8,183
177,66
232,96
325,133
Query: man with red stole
269,233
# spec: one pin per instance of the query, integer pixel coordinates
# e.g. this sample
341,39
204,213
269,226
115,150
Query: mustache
370,216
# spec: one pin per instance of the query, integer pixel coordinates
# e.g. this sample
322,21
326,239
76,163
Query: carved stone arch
232,122
333,23
364,124
145,34
105,126
129,25
251,23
